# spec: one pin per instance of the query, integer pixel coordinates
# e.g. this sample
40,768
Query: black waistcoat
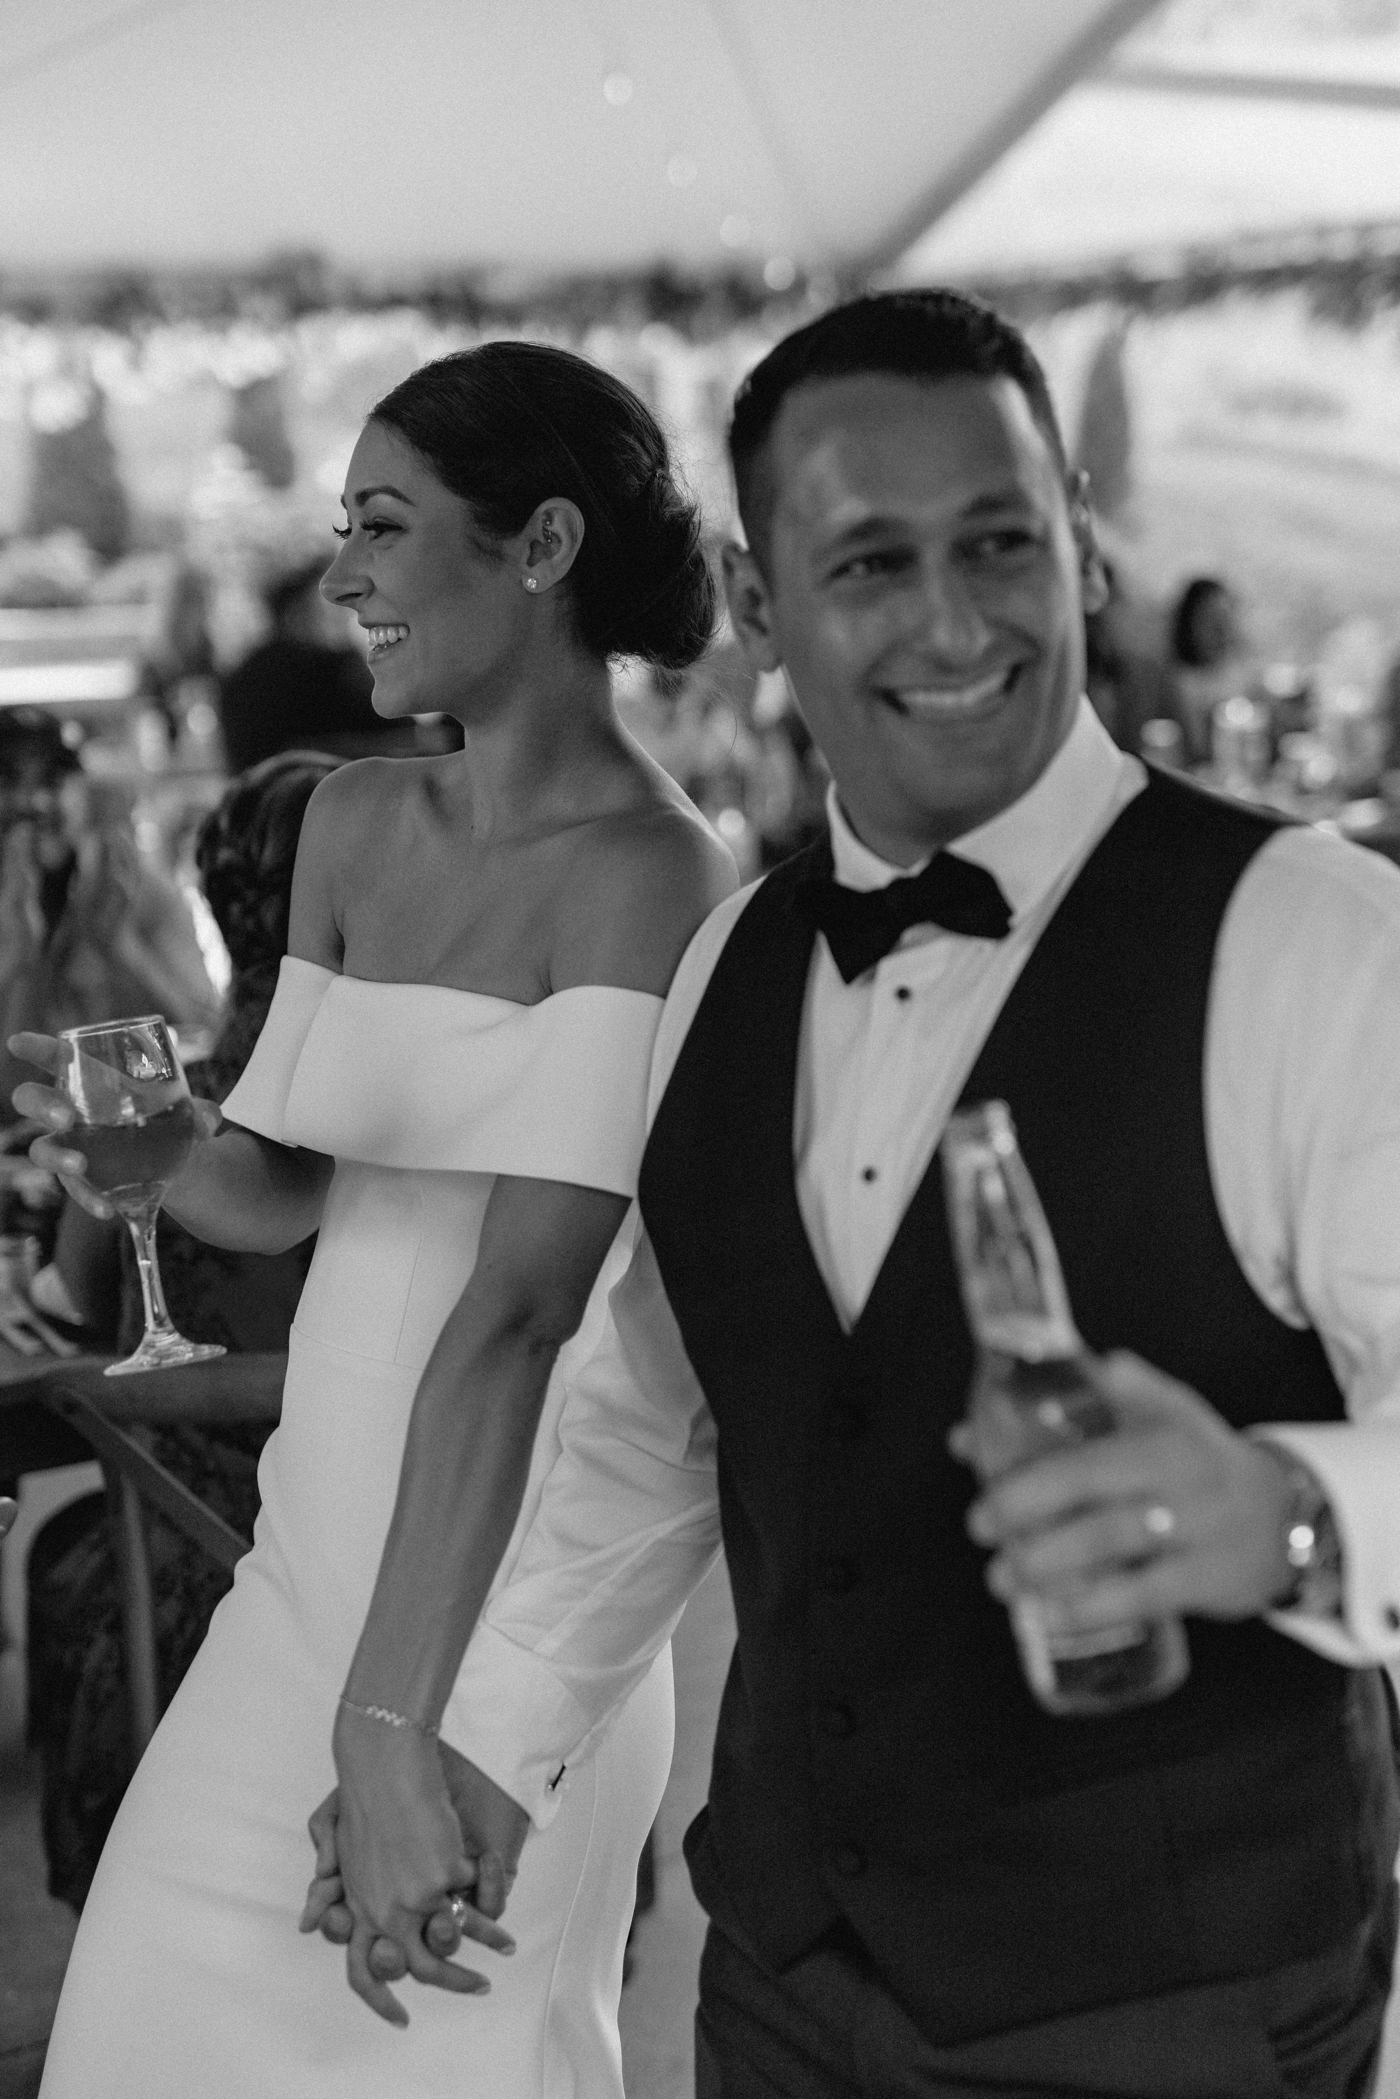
878,1756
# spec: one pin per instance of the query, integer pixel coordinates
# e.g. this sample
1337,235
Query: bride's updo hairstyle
509,424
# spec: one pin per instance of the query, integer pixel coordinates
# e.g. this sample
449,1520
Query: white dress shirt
1302,1104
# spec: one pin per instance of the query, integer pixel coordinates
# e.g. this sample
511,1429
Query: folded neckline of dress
488,998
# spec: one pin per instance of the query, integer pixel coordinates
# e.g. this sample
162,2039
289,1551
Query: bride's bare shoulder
643,879
356,803
367,791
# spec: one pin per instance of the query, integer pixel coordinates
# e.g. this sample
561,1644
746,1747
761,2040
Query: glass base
165,1352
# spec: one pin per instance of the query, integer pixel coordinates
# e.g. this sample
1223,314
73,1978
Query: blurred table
64,1411
1370,820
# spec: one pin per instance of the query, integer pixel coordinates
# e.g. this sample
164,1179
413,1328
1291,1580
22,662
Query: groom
917,1880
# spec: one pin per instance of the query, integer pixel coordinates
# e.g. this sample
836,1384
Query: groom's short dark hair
925,334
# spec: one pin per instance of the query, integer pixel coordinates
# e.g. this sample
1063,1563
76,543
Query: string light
617,89
681,171
780,273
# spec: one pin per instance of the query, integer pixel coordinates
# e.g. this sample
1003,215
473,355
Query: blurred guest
89,928
656,708
1208,659
1126,684
306,686
792,779
79,1720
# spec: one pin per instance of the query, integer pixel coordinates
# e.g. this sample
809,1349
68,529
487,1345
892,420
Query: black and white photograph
700,1070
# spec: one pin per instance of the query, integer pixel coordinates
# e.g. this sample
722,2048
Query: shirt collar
1026,846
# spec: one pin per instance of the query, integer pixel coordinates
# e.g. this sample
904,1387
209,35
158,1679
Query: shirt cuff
1358,1466
509,1714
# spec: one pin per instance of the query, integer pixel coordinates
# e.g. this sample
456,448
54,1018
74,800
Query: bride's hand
48,1105
493,1828
391,1836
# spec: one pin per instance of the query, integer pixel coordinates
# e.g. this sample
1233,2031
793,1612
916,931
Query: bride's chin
390,706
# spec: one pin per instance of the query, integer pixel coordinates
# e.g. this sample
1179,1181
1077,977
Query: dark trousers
828,2029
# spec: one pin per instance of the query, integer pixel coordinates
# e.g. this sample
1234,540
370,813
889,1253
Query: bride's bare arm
472,1432
243,1191
465,1465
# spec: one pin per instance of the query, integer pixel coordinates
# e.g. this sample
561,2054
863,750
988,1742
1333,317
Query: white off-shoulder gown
189,1978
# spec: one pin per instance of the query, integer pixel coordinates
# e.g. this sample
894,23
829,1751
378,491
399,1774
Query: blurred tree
74,480
121,299
300,280
257,424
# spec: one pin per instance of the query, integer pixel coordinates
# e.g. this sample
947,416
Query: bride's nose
340,585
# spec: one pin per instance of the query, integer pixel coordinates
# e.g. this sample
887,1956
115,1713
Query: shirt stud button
869,1173
848,1862
903,994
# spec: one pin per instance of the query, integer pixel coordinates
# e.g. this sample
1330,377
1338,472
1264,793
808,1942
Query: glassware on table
1163,741
123,1080
1241,745
1029,1395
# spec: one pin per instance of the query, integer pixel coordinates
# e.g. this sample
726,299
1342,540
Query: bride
450,1086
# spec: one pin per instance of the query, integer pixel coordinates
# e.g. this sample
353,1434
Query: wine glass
123,1081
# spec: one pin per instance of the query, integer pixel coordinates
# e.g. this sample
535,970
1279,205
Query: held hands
439,1826
46,1104
1173,1512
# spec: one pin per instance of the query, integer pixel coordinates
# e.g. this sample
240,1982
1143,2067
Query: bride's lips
966,701
383,637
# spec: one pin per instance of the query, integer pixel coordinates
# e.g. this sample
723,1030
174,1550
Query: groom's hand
1174,1512
494,1828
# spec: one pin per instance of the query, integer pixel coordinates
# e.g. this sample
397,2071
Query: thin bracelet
388,1716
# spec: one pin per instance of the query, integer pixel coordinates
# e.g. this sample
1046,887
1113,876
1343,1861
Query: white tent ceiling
570,133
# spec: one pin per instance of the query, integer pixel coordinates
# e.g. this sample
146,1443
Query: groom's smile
922,585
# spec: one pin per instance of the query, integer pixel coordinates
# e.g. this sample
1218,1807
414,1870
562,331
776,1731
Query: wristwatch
1312,1544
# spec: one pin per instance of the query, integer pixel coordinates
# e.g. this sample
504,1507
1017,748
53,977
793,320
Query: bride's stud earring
531,582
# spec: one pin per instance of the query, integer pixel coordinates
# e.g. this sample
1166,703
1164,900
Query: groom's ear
750,607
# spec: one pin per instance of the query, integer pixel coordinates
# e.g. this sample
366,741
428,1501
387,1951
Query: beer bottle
1029,1395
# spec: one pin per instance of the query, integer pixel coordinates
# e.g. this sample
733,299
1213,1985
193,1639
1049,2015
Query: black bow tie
862,925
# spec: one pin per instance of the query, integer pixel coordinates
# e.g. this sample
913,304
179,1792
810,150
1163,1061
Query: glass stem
143,1233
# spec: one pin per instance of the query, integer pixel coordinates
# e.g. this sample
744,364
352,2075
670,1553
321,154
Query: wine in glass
123,1081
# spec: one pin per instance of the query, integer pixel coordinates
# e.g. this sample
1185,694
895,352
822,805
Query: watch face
1312,1545
1302,1546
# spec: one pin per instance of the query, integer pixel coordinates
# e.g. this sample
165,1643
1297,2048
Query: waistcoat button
835,1577
847,1861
